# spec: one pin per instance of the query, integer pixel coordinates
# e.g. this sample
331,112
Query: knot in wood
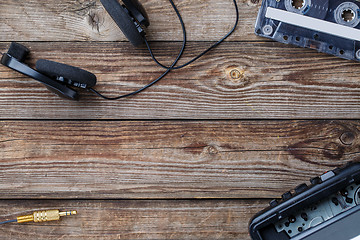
95,19
235,74
347,138
333,151
212,150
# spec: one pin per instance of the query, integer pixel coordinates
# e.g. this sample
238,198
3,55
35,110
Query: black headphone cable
204,52
9,221
172,67
162,75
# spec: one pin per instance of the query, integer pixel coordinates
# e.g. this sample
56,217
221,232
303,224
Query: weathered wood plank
168,159
271,80
86,20
180,219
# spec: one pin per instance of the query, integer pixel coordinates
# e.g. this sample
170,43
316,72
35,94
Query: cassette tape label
313,23
329,26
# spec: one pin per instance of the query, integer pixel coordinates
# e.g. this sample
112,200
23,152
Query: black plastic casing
307,38
54,86
262,227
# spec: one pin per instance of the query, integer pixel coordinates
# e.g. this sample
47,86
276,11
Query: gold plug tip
67,213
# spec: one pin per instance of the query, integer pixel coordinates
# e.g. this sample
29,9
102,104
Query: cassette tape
329,26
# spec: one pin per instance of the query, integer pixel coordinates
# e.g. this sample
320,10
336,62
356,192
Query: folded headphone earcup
124,21
18,51
75,74
138,11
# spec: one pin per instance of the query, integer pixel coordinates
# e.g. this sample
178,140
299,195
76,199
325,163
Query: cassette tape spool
329,26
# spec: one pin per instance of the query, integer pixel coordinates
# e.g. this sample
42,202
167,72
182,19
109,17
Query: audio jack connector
42,216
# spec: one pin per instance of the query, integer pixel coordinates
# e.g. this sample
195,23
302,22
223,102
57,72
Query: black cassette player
327,209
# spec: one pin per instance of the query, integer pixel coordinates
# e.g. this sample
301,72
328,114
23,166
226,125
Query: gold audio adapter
42,216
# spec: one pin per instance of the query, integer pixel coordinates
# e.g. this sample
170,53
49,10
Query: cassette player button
326,176
286,196
273,203
315,180
301,188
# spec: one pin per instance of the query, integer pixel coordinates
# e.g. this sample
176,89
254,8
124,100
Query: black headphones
61,79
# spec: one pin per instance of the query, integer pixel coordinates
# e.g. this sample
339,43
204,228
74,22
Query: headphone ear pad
75,74
18,51
124,21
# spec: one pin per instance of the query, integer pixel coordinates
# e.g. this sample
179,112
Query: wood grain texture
86,20
168,159
175,219
163,147
272,81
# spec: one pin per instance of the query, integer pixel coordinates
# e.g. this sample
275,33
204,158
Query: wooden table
193,157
